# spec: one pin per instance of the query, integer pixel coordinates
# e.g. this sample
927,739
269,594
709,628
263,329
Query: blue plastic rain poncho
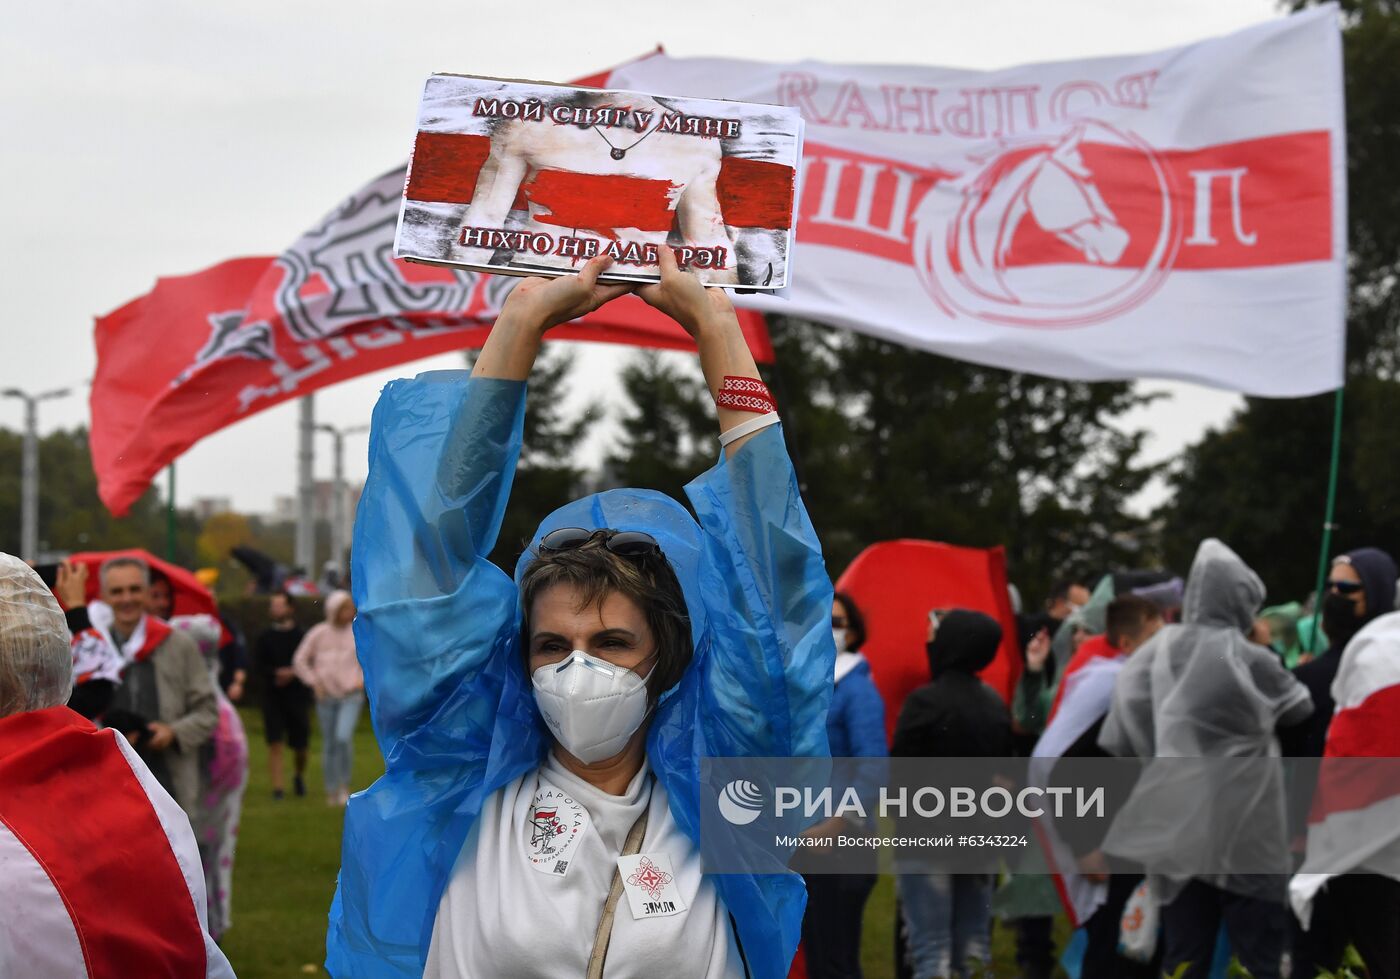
438,634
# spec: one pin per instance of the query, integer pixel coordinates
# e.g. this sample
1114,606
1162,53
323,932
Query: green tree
1260,483
668,427
893,442
548,475
889,442
220,534
71,517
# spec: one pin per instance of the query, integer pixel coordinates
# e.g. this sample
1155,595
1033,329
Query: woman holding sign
540,811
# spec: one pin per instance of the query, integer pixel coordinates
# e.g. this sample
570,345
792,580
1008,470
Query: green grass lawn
289,853
287,859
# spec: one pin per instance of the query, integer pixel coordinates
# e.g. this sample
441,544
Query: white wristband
749,427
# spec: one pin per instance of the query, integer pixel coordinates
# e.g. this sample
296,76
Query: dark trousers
1357,909
1257,929
1101,958
831,925
1035,947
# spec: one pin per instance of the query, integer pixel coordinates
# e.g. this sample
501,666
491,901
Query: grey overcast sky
155,138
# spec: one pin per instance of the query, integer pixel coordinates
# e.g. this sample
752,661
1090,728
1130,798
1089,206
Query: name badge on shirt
650,886
553,830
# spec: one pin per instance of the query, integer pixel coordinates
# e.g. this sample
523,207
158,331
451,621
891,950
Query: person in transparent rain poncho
1207,819
542,737
223,775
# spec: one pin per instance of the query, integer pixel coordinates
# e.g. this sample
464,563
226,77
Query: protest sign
528,178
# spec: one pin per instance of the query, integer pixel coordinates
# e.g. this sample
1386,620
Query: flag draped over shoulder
1354,826
202,351
1180,214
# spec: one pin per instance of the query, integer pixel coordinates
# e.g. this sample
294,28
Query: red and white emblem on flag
998,247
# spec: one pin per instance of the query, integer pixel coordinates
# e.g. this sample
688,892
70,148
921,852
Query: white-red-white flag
100,869
1178,214
1087,696
1354,826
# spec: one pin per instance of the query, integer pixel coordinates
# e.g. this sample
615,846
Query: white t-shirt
529,885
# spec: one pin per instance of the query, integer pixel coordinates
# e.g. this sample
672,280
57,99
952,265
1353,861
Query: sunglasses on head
1345,587
624,543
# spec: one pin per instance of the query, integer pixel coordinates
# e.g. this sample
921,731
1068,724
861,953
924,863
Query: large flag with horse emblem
1177,215
202,351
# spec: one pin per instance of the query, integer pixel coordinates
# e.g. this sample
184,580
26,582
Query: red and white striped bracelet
745,394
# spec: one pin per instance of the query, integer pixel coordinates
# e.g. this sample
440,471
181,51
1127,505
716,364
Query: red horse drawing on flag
1049,232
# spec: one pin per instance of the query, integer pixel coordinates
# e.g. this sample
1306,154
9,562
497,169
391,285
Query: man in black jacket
286,701
956,715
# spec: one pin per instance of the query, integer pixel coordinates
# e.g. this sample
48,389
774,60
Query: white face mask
591,706
839,636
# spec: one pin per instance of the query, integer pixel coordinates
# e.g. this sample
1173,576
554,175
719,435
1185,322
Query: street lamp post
29,493
340,523
305,551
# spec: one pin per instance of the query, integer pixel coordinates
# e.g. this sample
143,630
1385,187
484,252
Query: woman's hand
681,296
71,585
1038,651
532,308
541,303
708,316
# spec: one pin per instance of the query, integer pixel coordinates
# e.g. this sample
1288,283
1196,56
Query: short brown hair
125,561
1127,615
648,580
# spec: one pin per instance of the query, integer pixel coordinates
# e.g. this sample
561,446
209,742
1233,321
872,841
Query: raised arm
708,316
533,307
442,458
770,664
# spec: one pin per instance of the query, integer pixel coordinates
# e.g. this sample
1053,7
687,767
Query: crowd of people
543,735
169,684
1169,670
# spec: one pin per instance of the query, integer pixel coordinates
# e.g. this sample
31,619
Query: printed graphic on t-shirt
650,885
553,830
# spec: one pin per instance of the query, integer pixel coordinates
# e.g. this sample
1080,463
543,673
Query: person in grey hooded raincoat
1207,816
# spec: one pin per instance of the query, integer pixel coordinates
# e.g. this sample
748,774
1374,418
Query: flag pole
1327,525
170,514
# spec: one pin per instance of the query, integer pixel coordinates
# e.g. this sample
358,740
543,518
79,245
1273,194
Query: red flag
897,583
202,351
